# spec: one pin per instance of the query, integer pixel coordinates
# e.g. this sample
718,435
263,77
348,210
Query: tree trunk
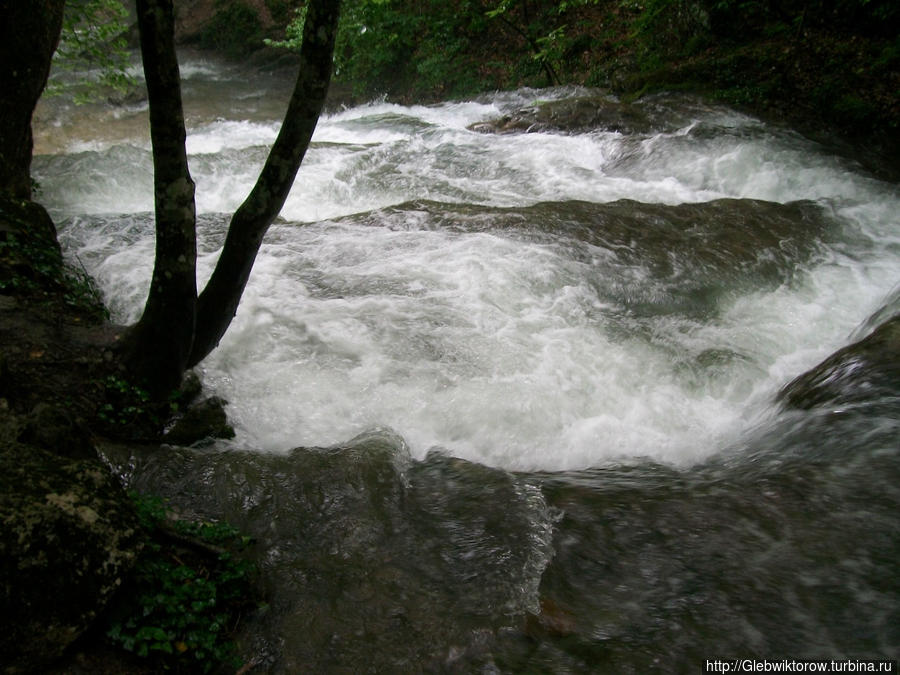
156,349
29,34
218,302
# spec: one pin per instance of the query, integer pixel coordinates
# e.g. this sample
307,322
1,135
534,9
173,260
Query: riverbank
831,73
77,552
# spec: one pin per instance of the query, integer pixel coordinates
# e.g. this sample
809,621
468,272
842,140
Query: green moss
32,266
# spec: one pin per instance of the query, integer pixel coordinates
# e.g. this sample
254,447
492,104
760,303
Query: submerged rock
859,372
688,257
374,561
68,537
587,113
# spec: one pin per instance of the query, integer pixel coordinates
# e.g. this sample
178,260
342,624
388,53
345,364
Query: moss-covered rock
58,430
68,536
30,256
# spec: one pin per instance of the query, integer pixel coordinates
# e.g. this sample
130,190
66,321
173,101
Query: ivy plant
188,591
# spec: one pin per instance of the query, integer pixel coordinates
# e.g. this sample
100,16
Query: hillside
829,69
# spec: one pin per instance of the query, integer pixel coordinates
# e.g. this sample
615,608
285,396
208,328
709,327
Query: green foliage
376,45
126,404
93,43
853,108
446,48
234,29
663,26
415,48
184,604
293,32
30,266
150,510
129,411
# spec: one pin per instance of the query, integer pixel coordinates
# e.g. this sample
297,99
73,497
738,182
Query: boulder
202,421
191,387
860,372
58,430
30,256
574,115
68,537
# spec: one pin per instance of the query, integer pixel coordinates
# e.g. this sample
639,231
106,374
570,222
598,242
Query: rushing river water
506,403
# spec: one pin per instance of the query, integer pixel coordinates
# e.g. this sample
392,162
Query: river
507,402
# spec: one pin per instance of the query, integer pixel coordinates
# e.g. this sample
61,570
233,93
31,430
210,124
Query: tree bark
218,303
157,348
29,34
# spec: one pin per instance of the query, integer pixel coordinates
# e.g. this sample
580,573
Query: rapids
535,374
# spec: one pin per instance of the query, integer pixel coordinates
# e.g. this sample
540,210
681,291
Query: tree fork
156,349
218,303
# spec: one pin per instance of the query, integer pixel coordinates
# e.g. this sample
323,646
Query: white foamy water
517,347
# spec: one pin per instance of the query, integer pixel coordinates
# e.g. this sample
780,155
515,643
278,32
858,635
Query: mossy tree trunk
177,330
156,349
29,35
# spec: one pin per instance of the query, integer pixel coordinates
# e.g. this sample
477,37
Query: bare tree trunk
157,348
29,34
219,301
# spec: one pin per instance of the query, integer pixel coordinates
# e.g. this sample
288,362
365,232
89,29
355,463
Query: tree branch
219,301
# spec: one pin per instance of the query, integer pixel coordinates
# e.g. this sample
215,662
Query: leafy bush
187,593
234,29
126,405
93,40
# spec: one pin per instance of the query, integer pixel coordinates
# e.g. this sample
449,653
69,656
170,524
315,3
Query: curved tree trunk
29,34
218,303
157,348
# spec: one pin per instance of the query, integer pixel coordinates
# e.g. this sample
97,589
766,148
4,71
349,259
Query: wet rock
857,373
191,387
28,219
381,562
203,421
57,430
68,537
553,619
191,17
5,383
573,115
593,112
521,122
30,256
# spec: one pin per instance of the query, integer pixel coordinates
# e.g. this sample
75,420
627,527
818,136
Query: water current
507,402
